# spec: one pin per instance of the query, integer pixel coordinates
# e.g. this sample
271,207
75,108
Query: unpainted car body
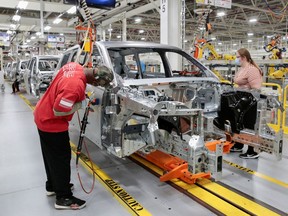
170,107
39,73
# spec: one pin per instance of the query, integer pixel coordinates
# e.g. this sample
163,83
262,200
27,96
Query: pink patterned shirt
248,77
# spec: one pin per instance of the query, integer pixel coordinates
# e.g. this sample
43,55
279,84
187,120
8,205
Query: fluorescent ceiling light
253,20
235,44
141,31
220,14
220,43
61,34
250,34
16,18
213,38
38,33
47,28
33,37
185,41
202,28
142,38
9,32
137,20
13,26
28,41
57,20
72,10
110,30
22,4
118,36
249,41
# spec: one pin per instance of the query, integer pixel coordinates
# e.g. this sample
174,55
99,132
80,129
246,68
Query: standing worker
52,115
248,77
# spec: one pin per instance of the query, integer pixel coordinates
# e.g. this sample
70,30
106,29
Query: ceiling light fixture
9,32
38,33
22,5
57,20
142,38
28,41
250,34
16,18
33,37
137,20
249,41
118,36
110,30
253,20
220,43
213,38
72,10
234,44
141,31
220,14
47,28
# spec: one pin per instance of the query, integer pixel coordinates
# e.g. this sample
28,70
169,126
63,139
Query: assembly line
179,122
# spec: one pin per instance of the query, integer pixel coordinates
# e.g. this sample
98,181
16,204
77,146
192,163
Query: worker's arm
69,99
75,107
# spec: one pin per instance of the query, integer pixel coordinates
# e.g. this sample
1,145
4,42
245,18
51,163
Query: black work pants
56,153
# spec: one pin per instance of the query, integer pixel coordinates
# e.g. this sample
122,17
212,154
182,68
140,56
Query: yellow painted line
27,101
239,200
126,200
252,172
212,200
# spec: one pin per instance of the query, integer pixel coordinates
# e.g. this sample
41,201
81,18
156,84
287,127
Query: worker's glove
84,103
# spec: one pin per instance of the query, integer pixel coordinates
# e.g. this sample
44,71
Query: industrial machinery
171,113
203,44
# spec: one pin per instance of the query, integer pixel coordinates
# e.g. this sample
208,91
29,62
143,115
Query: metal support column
124,27
170,26
41,18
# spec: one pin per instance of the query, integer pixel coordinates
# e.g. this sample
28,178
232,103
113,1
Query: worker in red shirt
52,115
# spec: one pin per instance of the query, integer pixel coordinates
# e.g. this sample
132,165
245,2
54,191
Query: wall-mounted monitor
103,4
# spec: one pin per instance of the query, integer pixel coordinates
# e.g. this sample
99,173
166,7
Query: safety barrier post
277,126
285,106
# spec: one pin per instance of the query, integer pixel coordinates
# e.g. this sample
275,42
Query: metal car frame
36,80
173,114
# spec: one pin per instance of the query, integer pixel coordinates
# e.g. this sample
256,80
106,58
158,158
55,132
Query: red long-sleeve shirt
66,89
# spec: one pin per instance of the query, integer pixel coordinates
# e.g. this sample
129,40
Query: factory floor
22,176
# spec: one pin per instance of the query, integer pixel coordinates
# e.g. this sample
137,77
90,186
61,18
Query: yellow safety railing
285,106
276,126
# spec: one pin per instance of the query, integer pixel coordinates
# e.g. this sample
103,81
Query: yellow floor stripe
252,172
213,200
126,200
27,102
237,199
